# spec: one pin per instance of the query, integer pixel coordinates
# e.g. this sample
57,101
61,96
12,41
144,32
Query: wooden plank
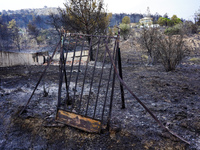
78,121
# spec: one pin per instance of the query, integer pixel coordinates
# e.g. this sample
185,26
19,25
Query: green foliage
164,22
175,20
173,30
110,33
14,33
186,28
86,16
12,24
126,20
169,22
125,29
40,39
195,60
115,30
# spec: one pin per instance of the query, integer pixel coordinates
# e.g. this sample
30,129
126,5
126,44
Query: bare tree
172,50
148,41
167,49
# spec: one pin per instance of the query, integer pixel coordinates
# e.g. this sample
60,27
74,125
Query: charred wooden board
78,121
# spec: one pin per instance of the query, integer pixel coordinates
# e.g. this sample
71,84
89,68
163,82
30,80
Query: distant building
133,25
146,21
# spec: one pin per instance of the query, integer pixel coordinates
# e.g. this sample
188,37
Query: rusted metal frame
85,75
91,84
66,83
92,35
48,63
108,84
113,87
141,103
99,86
77,74
61,72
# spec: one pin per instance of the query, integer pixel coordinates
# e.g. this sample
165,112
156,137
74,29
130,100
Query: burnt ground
174,97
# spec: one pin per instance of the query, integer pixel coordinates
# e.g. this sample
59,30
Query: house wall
8,59
13,59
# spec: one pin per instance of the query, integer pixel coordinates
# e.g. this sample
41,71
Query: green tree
110,32
169,22
115,30
85,16
14,33
125,29
126,20
161,21
164,22
175,20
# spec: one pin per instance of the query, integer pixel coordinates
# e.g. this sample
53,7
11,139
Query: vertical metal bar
120,69
120,74
112,93
66,84
99,86
108,84
77,73
91,84
61,73
72,65
85,73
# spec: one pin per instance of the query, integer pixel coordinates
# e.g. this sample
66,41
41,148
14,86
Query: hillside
23,16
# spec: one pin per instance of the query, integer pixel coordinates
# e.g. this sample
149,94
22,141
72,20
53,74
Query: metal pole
120,69
61,72
120,74
112,91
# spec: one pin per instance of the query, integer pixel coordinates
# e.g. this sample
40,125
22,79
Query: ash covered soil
174,97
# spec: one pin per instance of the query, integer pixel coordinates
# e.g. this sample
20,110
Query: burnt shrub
172,50
167,48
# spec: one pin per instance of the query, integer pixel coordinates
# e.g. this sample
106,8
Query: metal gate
85,100
86,87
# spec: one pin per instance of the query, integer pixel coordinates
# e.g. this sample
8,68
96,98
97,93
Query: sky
182,8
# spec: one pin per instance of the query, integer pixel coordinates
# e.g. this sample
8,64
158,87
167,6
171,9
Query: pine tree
85,16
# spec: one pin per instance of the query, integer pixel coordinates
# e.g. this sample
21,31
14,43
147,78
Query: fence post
118,53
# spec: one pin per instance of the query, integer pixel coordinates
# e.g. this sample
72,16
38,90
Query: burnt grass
174,97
